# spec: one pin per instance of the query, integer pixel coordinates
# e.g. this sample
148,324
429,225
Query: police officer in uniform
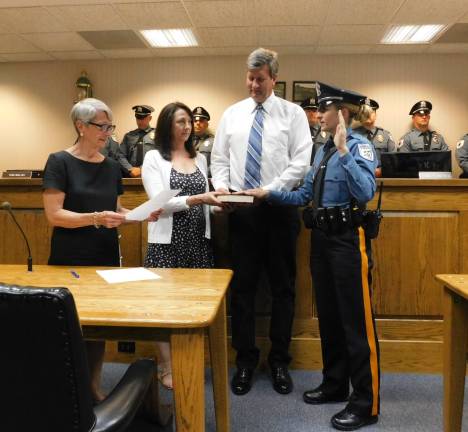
203,138
364,124
319,137
340,183
420,137
462,155
111,149
137,142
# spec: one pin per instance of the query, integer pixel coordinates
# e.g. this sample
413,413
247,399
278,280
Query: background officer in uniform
341,177
203,138
111,149
420,137
319,137
462,155
364,124
137,142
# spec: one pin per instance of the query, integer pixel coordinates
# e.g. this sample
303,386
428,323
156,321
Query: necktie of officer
196,142
252,176
427,141
329,149
139,148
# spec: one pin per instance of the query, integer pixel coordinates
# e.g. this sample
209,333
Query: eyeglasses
103,127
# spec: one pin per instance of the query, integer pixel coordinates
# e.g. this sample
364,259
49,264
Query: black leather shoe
348,421
282,381
241,382
317,397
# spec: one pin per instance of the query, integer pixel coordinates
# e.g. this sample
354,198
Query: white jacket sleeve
155,175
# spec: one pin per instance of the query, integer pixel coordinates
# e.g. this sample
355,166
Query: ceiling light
170,38
412,34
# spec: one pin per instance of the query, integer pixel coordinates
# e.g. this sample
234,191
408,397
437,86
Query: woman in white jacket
181,235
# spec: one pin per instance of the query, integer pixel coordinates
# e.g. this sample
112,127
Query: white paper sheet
143,211
127,275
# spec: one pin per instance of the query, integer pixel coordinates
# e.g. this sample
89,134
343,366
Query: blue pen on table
74,274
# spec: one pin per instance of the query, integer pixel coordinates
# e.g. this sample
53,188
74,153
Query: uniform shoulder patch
152,135
366,152
401,142
460,144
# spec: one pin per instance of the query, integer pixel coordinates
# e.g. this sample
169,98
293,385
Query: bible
236,199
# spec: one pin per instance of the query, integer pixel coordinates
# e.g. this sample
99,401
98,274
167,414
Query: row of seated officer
136,143
419,138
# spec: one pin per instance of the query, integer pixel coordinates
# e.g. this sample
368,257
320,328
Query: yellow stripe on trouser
369,325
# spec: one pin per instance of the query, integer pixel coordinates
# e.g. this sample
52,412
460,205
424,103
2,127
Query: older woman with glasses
81,190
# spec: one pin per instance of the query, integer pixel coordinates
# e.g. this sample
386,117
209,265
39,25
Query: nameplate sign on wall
22,174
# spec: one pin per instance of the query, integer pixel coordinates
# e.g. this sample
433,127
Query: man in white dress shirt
262,141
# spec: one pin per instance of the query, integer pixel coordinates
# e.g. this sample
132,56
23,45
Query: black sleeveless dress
88,187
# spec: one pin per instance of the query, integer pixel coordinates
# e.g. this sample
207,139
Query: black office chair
44,379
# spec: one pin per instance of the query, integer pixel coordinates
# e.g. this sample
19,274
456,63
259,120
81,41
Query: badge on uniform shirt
460,144
323,134
206,143
365,150
152,135
380,138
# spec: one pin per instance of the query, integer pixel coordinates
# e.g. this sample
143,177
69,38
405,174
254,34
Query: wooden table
455,344
179,306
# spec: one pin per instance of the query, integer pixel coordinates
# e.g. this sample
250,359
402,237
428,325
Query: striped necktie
254,152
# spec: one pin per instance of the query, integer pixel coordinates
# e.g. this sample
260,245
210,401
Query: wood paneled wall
423,233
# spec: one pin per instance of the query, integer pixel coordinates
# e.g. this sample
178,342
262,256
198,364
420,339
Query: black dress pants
263,236
350,348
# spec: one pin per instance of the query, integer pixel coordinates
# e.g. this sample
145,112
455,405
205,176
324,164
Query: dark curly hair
164,130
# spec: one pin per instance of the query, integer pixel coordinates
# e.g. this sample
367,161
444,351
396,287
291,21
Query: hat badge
317,88
139,109
423,104
367,101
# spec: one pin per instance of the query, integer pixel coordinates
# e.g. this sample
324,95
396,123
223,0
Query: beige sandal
165,377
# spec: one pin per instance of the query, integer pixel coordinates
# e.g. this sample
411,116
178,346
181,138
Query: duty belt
333,220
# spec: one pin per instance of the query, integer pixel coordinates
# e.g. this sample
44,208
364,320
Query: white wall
35,98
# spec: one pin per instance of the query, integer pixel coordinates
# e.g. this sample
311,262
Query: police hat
327,94
200,112
309,103
424,107
372,103
141,111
